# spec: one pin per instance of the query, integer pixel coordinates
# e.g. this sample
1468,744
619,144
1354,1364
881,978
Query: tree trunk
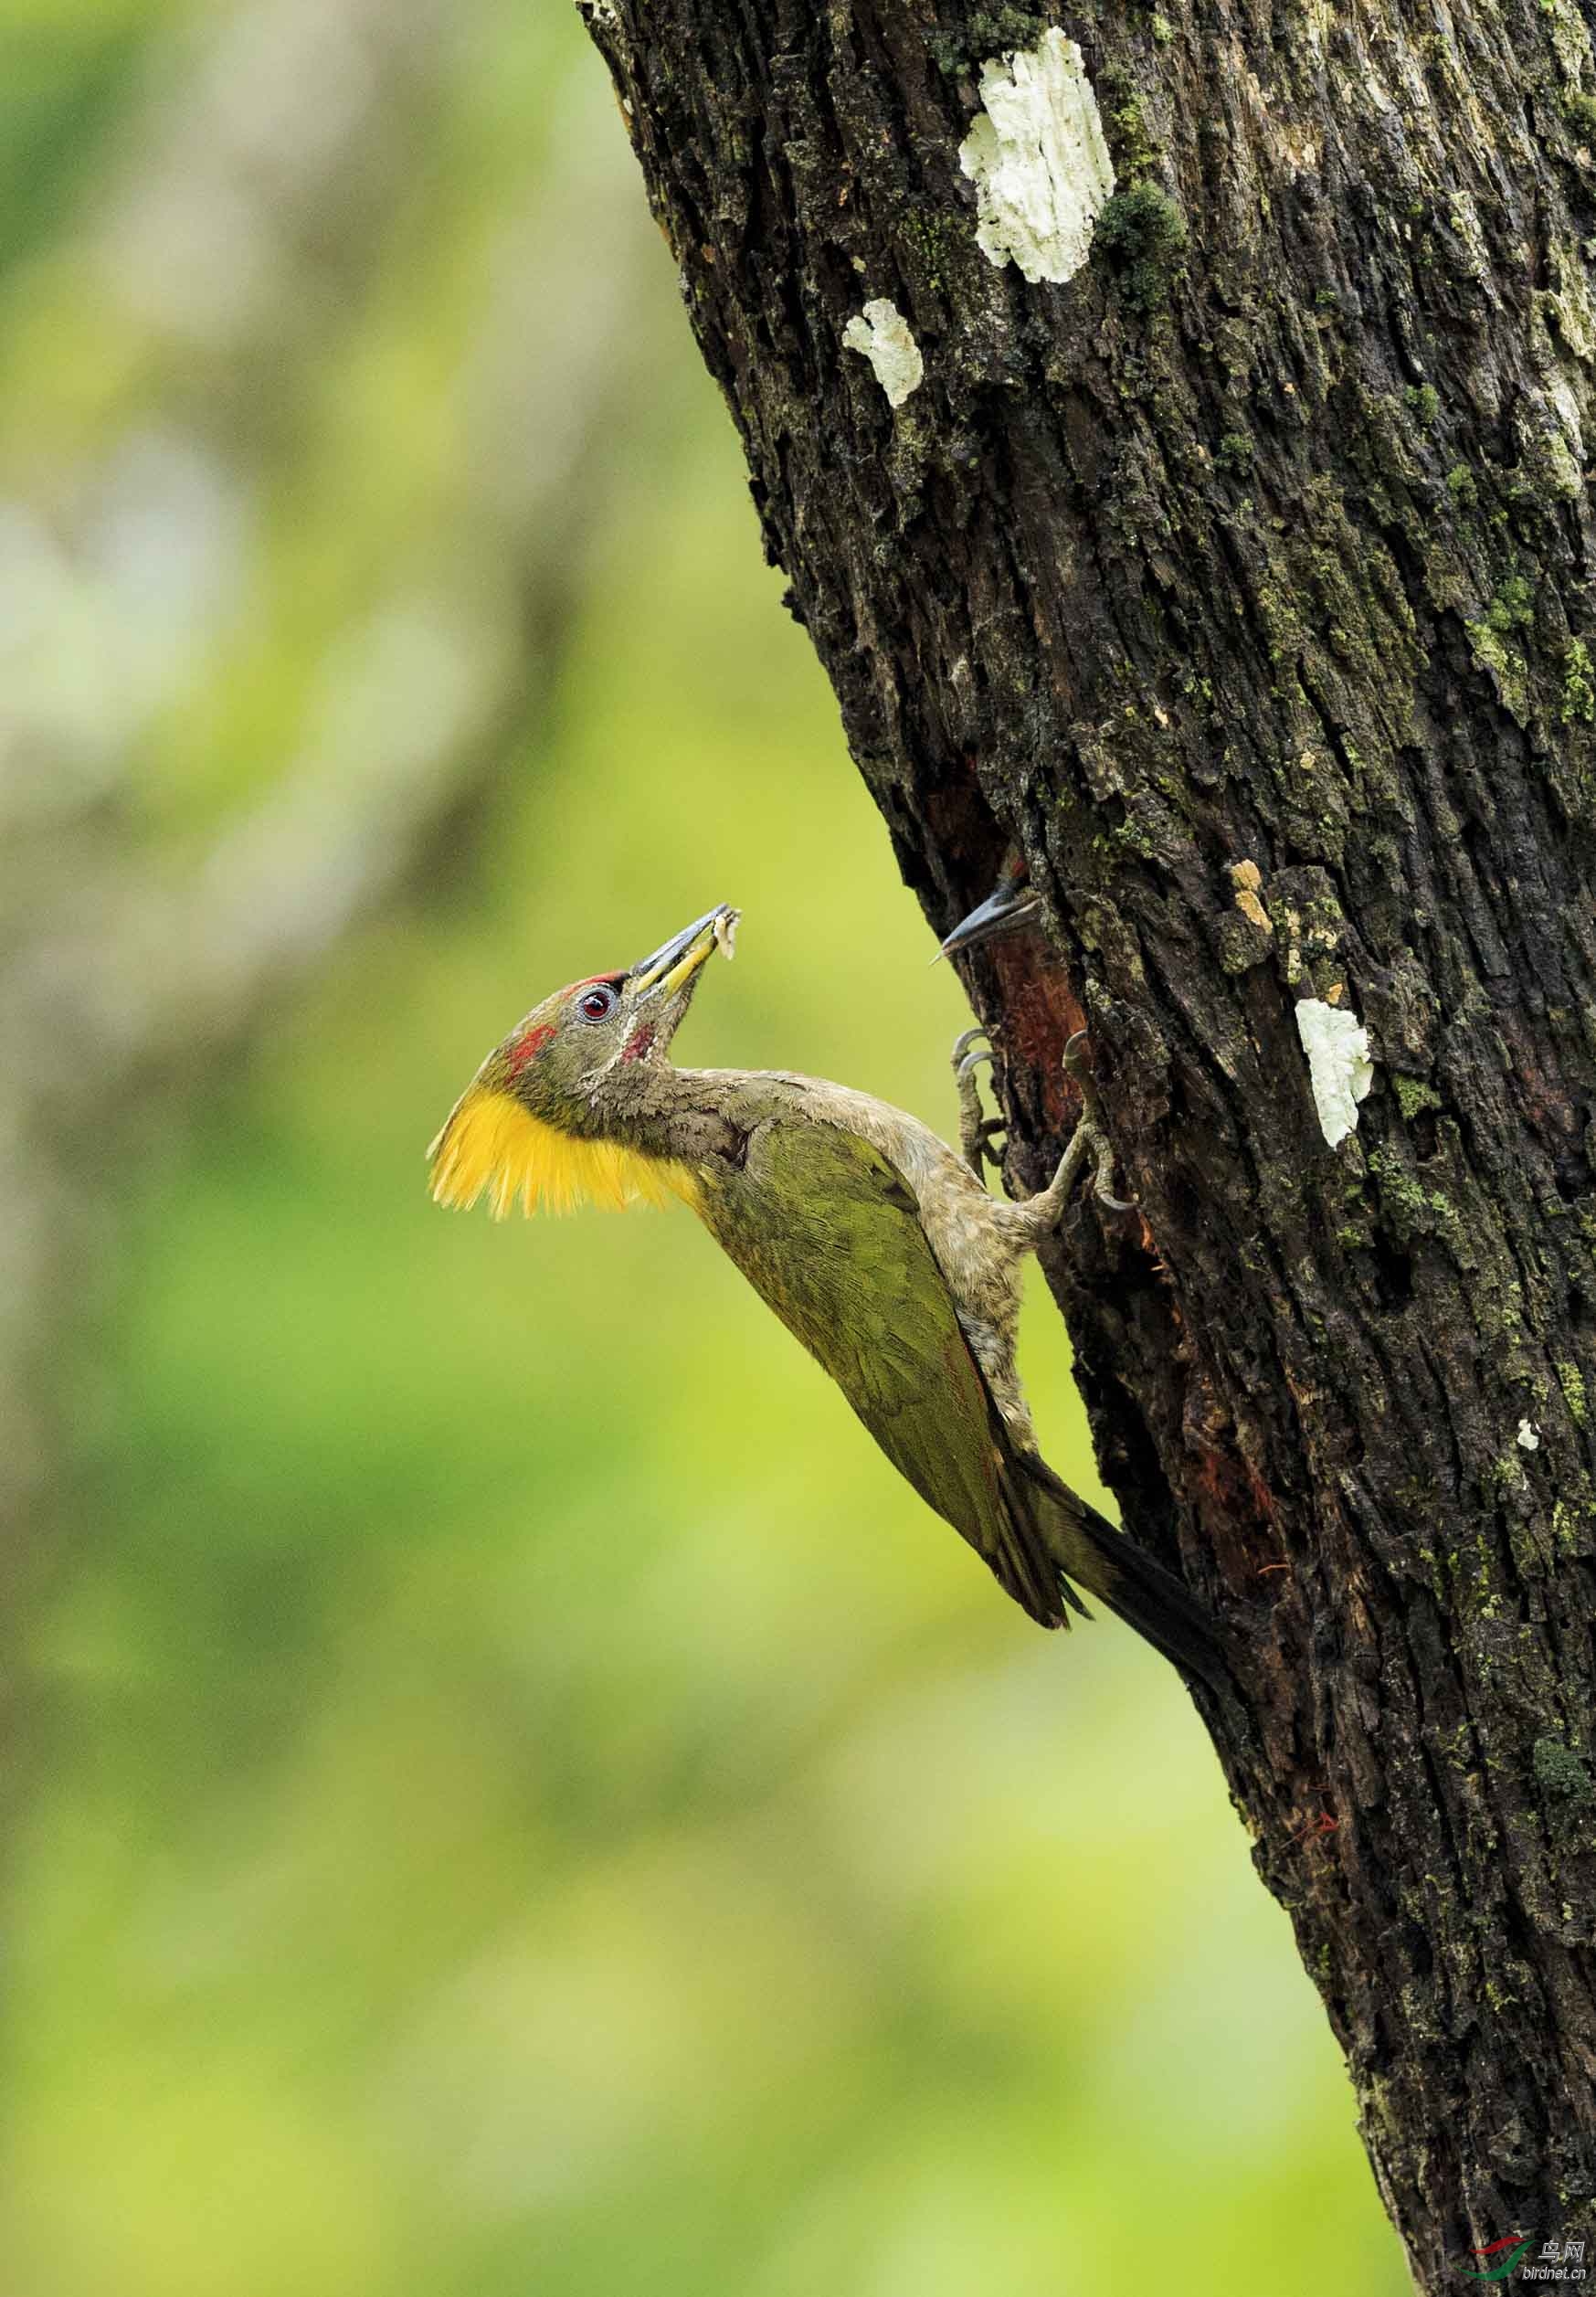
1204,508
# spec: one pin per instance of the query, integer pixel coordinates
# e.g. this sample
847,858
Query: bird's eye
598,1005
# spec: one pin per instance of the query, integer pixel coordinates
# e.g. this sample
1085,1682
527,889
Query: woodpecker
875,1244
1012,904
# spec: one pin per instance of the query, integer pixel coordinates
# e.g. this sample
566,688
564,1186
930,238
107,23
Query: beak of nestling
659,988
1010,907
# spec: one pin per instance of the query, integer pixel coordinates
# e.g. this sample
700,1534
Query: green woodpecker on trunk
874,1242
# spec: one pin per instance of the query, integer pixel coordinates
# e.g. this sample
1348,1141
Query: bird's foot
1089,1145
1089,1141
975,1129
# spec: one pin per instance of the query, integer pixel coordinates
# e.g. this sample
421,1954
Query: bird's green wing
828,1234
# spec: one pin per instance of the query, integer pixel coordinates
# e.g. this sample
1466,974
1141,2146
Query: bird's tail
1087,1546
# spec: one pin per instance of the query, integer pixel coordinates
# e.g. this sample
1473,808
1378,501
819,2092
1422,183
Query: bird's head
543,1121
1012,904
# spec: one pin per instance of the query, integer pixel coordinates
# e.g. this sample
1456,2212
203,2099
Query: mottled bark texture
1262,540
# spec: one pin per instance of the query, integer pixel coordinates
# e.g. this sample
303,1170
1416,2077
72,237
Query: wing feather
828,1234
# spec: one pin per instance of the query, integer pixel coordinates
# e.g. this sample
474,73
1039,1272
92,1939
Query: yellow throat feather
490,1142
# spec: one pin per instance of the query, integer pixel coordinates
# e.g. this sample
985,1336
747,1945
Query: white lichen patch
1529,1436
1339,1069
882,333
1037,160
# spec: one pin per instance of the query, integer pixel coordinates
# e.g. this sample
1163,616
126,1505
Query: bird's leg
1097,1143
1088,1142
971,1047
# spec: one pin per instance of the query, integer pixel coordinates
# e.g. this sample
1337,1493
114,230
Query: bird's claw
971,1047
1089,1140
1102,1177
1088,1144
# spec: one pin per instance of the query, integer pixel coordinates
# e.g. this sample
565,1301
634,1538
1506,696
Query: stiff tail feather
1109,1566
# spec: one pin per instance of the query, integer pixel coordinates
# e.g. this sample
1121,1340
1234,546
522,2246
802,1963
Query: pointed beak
677,960
1009,908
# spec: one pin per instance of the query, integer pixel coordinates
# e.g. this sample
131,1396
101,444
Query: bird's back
830,1234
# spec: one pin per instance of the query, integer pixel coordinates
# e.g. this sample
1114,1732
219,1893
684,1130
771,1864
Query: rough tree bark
1242,574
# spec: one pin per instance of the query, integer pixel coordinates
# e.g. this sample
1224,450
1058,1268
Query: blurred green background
509,1791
